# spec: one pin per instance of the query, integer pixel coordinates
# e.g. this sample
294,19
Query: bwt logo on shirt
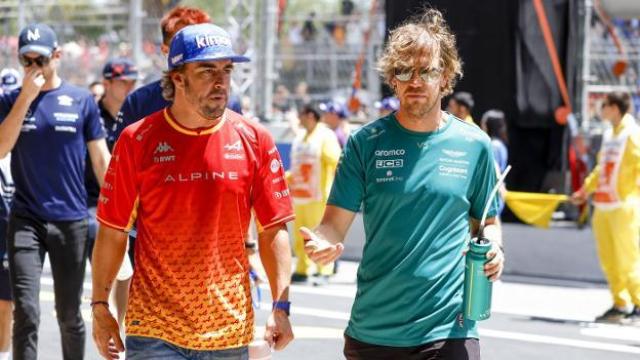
212,40
163,148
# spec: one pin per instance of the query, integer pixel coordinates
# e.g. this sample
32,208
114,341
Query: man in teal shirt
422,178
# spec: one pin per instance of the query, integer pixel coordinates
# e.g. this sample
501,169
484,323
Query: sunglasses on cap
426,74
40,61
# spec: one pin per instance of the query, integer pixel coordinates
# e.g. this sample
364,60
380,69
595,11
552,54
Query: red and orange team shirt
191,193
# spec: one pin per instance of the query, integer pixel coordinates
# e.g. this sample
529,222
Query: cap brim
39,49
125,77
213,57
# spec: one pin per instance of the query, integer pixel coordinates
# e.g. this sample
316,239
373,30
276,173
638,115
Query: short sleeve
119,195
94,128
482,184
269,194
348,187
5,105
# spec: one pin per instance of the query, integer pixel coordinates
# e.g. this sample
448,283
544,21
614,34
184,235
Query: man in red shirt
189,175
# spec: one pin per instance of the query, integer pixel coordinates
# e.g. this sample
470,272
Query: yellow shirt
314,158
469,120
629,173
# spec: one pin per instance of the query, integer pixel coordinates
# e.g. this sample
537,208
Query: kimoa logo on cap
212,40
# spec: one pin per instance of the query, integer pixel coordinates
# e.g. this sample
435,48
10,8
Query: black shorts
449,349
5,284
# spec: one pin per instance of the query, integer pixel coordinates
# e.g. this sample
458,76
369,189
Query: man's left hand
279,333
493,268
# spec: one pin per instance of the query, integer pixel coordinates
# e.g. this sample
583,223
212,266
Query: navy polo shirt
48,160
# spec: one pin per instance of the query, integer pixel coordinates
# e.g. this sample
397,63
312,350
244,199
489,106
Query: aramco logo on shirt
162,149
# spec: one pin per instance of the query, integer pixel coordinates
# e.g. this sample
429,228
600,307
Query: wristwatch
282,305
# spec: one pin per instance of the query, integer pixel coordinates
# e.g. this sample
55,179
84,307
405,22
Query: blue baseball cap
201,42
390,103
9,79
120,69
38,38
335,108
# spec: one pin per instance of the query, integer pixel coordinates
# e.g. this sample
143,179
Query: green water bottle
477,287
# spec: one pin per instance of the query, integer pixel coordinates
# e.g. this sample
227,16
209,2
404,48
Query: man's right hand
32,84
579,197
106,333
318,249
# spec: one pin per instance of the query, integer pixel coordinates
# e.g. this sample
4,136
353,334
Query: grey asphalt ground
542,309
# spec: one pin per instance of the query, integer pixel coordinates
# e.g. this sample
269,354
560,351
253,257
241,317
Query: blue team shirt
144,101
91,183
48,160
417,192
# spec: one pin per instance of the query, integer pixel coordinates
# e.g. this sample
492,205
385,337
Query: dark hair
311,109
179,17
496,124
465,99
620,99
94,83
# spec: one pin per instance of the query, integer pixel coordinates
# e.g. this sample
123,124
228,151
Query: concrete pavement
542,309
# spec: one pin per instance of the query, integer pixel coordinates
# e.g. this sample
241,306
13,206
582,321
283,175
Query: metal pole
373,78
135,30
22,22
587,9
269,41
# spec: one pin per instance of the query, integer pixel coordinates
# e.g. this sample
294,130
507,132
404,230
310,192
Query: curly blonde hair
426,34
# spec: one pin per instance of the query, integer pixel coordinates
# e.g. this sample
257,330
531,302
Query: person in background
387,105
10,80
493,122
148,99
6,303
48,122
314,156
119,77
614,185
334,115
460,105
97,90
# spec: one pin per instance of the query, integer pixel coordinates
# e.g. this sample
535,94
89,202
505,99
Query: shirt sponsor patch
63,128
275,166
65,100
389,163
66,117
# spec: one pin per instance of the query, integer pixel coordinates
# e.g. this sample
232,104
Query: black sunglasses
40,61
